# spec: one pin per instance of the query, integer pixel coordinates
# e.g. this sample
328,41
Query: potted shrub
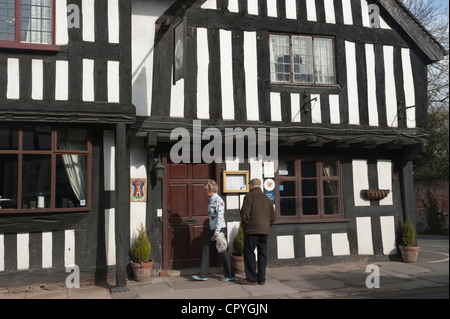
141,262
237,257
408,248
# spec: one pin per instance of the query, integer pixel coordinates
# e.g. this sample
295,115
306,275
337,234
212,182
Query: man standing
257,215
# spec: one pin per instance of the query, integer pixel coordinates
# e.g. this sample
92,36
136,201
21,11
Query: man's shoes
197,277
261,283
246,282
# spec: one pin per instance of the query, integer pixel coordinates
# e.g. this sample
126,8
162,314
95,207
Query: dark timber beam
122,170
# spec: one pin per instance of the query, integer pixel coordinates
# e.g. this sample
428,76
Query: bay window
44,169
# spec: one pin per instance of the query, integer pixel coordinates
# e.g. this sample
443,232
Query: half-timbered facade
65,90
103,91
344,84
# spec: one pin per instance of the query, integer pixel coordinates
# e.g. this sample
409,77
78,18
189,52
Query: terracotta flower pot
142,271
238,263
409,253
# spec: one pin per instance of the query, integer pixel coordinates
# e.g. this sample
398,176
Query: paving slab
271,288
92,292
224,292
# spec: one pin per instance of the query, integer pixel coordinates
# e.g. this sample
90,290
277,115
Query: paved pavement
341,280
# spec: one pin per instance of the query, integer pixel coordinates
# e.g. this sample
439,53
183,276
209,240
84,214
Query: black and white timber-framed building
85,108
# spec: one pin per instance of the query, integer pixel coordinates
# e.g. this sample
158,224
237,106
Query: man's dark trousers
252,241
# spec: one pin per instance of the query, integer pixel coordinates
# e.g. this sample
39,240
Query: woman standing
216,211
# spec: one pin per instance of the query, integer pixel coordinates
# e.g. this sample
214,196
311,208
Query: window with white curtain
298,59
44,168
26,21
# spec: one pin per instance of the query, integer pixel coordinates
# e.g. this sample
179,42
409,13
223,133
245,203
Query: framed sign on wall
235,182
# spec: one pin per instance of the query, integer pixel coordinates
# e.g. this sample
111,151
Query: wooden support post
407,188
123,205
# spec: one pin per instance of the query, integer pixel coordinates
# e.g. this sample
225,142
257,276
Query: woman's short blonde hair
212,186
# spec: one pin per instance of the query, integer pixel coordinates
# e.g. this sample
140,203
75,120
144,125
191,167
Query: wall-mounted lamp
159,169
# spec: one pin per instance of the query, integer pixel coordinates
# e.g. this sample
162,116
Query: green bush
238,243
409,236
141,249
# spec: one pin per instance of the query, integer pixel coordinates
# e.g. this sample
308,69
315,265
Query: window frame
18,44
292,57
299,217
54,152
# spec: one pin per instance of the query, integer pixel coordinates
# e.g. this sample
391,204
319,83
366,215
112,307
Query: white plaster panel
113,21
138,213
272,8
61,32
295,107
88,80
335,113
340,244
251,76
311,10
47,250
69,247
352,83
13,89
256,169
23,251
62,81
202,74
233,5
408,86
329,11
291,9
347,12
252,7
88,16
313,245
285,247
37,79
388,235
316,112
232,201
371,85
226,70
360,181
390,89
113,82
364,235
177,99
365,13
384,168
275,106
110,236
109,154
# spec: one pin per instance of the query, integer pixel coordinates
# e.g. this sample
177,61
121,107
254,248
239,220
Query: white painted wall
138,169
144,15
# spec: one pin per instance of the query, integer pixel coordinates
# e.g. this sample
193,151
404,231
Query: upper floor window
26,23
302,59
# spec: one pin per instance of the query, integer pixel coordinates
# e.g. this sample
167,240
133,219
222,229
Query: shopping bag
221,243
